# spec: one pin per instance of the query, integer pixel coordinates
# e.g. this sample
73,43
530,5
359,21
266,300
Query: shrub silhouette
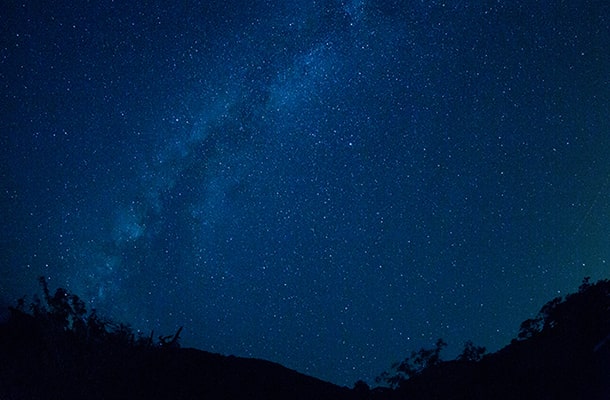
54,348
65,313
563,352
413,365
471,352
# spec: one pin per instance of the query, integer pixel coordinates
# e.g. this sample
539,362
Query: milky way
328,185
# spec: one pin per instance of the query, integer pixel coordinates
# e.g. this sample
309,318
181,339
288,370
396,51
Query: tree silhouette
64,312
413,365
587,309
361,390
56,349
471,352
530,328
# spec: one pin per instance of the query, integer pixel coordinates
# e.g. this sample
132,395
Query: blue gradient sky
328,185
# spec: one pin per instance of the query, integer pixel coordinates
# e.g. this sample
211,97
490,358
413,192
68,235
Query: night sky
324,184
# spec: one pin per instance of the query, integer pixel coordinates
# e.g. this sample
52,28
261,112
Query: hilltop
54,348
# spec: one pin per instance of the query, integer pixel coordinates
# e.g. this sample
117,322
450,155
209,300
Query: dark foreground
53,349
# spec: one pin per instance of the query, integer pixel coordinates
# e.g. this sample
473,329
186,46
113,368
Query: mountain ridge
58,351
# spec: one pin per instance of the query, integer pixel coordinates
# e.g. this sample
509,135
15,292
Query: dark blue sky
328,185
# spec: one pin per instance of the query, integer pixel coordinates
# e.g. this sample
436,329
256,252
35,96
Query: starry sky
324,184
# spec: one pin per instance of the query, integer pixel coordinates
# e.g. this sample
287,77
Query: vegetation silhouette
65,314
562,353
54,348
415,364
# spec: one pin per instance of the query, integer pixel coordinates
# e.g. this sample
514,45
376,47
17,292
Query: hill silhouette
54,349
562,353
